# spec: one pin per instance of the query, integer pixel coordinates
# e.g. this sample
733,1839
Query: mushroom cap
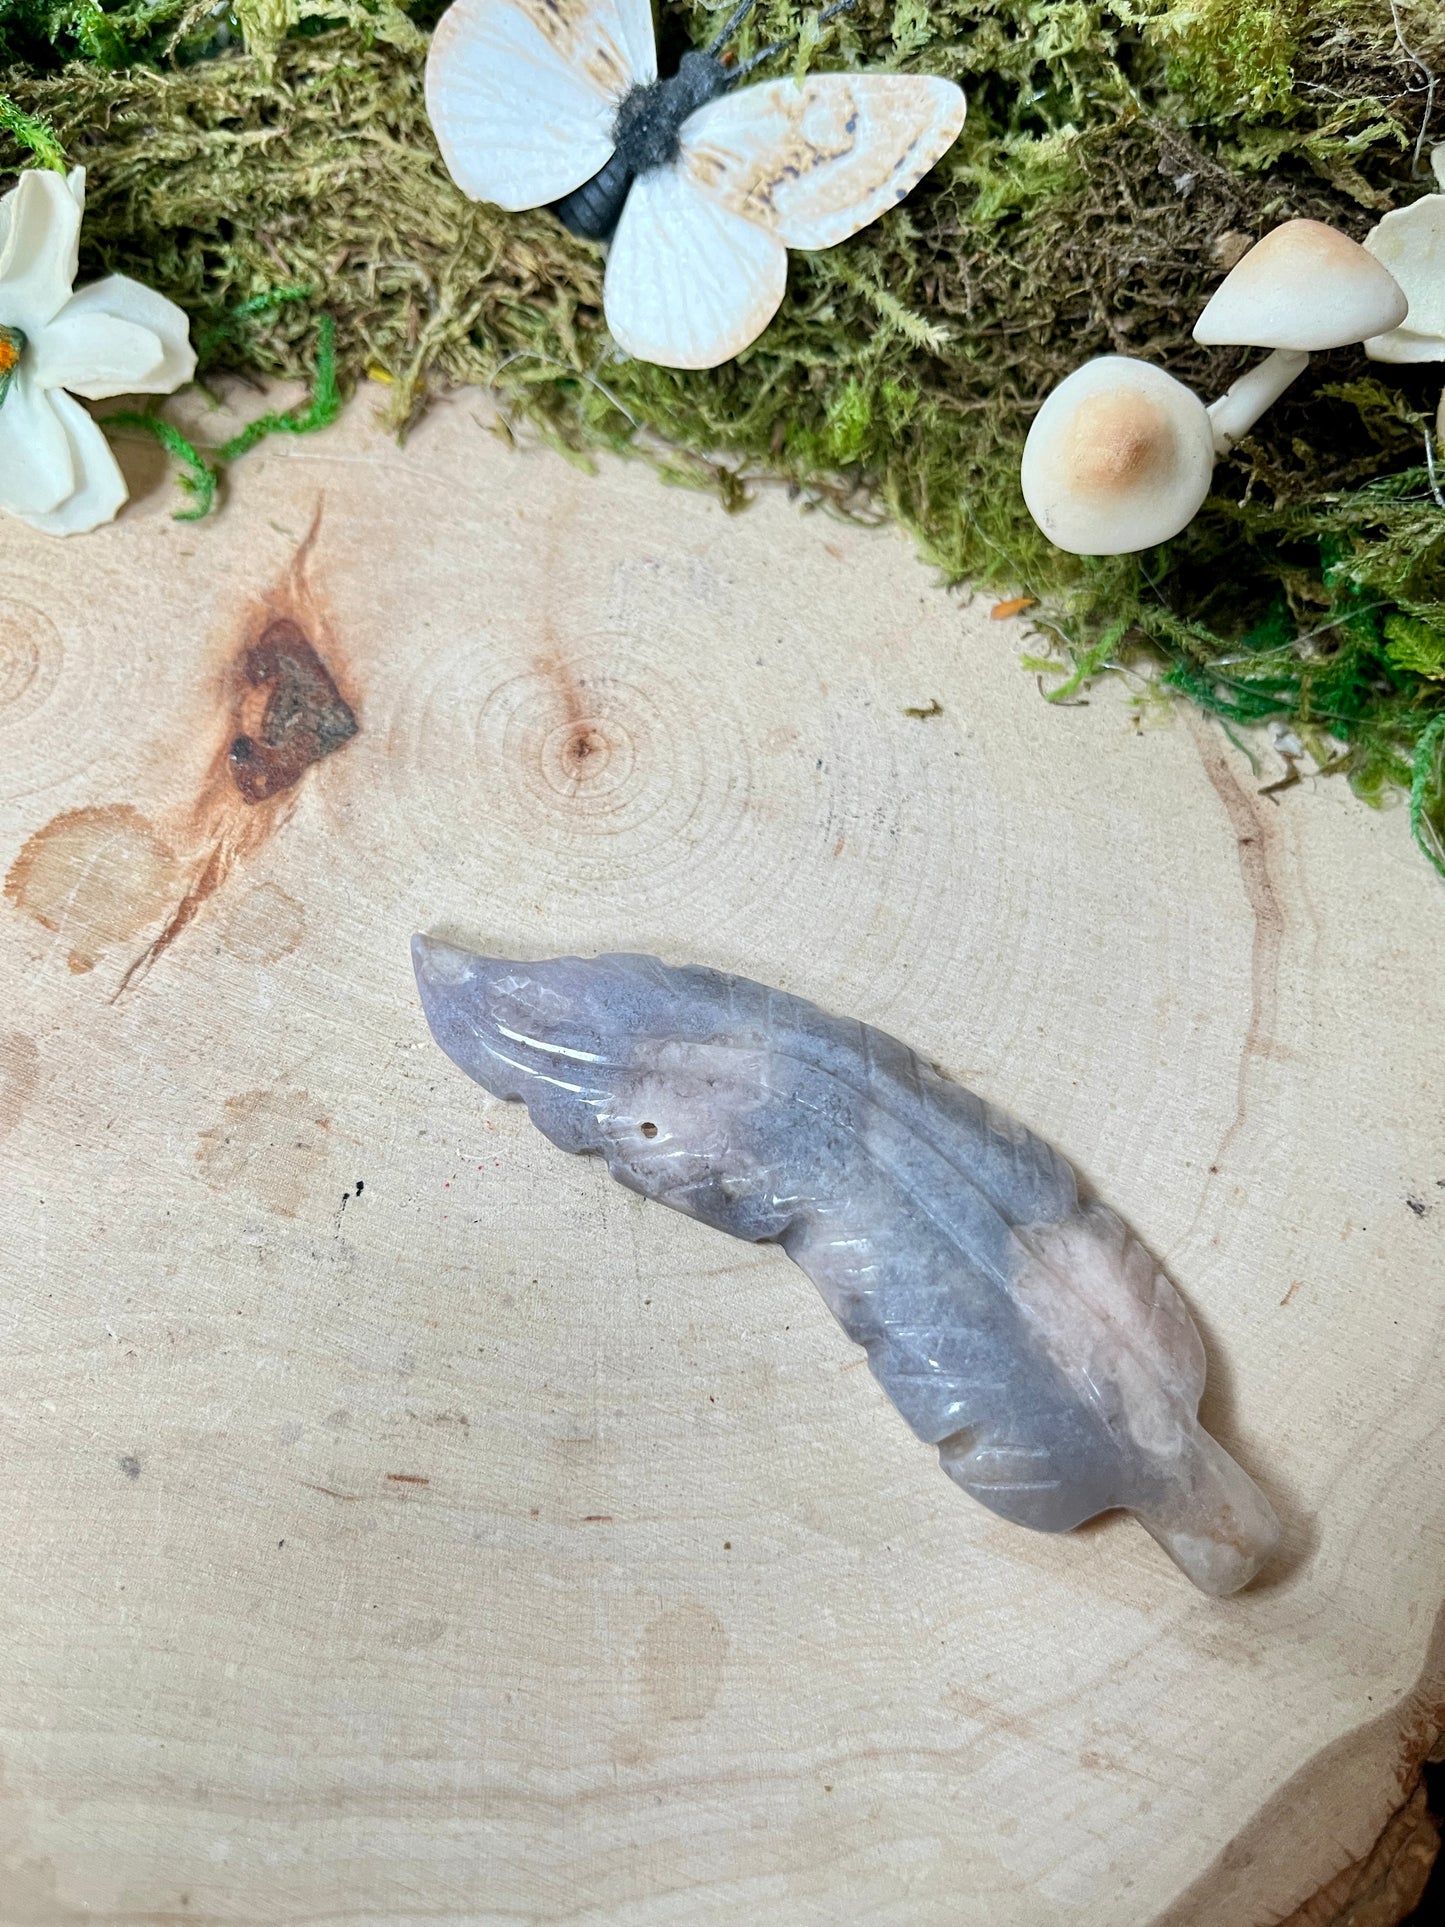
1304,286
1410,242
1118,458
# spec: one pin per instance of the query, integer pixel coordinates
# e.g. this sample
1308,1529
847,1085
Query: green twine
1427,793
319,411
229,326
202,468
200,480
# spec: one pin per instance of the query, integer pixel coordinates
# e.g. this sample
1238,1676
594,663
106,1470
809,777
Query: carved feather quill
1027,1335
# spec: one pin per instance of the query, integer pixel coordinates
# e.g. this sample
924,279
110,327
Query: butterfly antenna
735,20
782,46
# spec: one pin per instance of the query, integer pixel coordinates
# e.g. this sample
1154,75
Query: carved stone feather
1027,1335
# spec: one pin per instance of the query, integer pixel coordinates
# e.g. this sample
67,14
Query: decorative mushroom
1410,242
113,337
1118,458
1120,455
1303,288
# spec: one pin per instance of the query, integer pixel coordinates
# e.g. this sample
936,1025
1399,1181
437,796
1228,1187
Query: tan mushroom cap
1304,286
1410,242
1119,457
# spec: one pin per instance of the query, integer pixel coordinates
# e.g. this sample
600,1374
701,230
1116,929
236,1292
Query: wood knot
586,757
583,742
302,715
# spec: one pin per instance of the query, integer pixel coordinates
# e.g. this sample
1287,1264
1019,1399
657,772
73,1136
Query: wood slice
403,1521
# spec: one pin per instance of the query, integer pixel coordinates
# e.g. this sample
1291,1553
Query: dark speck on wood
129,1464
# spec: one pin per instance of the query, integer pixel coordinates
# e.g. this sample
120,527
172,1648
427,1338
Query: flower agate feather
1027,1335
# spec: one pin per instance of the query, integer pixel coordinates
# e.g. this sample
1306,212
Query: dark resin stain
304,718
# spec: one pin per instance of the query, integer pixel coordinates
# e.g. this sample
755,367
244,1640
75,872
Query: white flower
1411,244
113,337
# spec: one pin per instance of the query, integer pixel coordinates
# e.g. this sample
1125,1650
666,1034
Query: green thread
199,479
202,469
319,410
230,327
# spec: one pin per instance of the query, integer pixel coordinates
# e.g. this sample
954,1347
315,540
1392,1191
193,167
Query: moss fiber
270,166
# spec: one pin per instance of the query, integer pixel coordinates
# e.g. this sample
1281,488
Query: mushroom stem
1258,388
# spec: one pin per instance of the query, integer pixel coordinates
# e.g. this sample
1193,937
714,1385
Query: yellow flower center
12,346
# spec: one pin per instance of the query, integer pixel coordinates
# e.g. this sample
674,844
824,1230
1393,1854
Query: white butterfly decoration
536,102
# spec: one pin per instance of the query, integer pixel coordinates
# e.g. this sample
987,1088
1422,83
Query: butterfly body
699,185
648,135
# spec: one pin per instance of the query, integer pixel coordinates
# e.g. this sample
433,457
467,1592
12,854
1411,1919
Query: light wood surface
404,1523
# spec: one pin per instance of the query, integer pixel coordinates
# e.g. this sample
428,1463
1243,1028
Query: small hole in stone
649,1130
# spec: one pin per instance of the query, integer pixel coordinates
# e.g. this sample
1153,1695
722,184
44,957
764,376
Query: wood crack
1254,837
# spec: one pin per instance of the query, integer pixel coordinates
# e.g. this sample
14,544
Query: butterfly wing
523,94
699,265
814,162
689,284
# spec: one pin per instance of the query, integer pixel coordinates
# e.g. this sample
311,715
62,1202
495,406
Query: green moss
1427,792
1233,57
272,165
1416,647
32,133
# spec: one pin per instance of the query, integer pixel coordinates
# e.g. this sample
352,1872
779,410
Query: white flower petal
94,355
128,300
100,490
42,246
37,469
